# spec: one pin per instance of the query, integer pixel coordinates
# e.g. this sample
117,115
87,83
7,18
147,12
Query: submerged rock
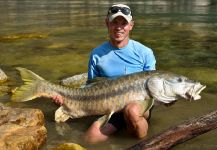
80,81
21,128
75,81
13,37
69,146
4,89
3,76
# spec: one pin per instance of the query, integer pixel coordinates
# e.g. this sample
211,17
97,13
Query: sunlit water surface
54,38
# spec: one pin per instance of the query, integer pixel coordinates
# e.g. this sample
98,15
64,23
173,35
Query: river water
54,38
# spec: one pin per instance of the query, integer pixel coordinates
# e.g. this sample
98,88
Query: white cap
111,16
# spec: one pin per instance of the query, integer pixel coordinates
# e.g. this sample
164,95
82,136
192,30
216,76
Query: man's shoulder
101,49
139,46
102,46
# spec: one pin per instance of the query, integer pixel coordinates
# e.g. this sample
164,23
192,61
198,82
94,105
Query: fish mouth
194,92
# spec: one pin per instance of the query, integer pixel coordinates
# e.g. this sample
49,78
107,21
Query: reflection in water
53,38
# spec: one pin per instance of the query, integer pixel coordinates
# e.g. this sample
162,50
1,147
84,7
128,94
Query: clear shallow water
54,38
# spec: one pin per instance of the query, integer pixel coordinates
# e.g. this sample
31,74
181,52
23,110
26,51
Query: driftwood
179,134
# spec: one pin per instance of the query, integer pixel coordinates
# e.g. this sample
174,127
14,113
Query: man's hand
58,99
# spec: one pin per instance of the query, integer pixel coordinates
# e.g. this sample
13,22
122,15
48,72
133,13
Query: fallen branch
179,134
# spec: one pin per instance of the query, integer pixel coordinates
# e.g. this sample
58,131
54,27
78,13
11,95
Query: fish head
168,87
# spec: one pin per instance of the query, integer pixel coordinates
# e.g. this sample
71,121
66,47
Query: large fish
110,95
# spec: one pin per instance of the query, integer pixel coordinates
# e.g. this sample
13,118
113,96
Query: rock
3,88
69,146
3,76
21,128
80,81
75,81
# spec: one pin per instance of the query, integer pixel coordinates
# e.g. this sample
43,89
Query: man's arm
150,61
92,68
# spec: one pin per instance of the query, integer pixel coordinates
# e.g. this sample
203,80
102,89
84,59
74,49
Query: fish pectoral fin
60,115
104,119
146,105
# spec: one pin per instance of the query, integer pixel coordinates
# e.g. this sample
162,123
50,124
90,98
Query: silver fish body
110,95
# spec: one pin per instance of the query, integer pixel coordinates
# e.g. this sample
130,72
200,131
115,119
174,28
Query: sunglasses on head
115,9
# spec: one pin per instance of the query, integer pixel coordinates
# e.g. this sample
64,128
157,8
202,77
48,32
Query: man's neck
119,44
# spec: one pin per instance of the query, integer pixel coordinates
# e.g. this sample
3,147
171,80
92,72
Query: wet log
179,134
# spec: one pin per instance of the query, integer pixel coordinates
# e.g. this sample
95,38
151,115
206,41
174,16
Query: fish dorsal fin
96,80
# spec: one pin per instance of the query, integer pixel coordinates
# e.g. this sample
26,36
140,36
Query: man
117,57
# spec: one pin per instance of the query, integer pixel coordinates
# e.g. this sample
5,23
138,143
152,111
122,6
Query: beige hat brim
112,17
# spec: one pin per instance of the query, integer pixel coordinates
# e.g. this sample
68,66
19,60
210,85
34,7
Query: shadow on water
54,38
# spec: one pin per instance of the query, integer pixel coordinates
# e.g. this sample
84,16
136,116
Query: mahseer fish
110,95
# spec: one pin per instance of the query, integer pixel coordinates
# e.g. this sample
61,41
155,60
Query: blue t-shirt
109,61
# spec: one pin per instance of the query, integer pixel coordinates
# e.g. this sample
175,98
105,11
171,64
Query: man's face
119,29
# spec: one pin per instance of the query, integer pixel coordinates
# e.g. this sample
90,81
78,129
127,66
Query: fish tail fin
27,91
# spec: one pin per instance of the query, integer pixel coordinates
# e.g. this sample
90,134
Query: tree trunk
179,134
